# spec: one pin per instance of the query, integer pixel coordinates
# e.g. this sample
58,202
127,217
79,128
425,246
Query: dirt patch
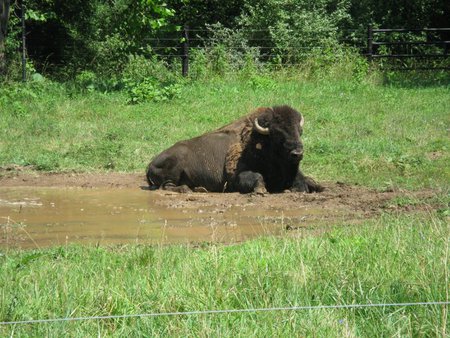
44,209
338,198
336,195
14,176
434,155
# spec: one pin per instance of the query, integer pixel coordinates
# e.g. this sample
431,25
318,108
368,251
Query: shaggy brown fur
246,127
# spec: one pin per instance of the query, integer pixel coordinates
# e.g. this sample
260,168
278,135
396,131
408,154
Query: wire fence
405,49
228,311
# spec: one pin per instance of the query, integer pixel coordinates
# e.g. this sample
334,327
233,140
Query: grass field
366,133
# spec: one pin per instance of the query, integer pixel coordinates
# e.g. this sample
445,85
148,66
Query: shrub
293,28
86,80
151,90
140,67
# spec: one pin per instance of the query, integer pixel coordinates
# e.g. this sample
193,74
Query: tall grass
395,259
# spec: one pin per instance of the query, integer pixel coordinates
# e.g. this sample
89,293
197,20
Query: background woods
108,38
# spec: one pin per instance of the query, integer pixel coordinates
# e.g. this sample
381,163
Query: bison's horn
261,130
302,121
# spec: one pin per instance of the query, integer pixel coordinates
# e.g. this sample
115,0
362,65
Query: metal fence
408,44
399,49
175,46
390,48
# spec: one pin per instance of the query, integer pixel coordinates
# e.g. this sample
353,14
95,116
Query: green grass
394,259
366,133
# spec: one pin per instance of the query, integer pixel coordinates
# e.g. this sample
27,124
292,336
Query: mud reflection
40,217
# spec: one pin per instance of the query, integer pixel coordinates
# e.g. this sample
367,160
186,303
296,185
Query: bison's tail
150,182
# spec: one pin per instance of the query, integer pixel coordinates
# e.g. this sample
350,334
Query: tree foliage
69,36
65,38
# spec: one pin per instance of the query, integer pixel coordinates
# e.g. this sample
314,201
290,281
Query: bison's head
283,125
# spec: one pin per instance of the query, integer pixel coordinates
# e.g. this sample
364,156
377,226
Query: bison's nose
296,154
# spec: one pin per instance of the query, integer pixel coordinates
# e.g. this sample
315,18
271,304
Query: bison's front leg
250,181
304,183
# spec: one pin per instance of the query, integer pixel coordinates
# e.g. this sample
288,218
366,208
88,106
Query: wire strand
209,312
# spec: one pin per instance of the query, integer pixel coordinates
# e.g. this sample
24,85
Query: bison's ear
262,120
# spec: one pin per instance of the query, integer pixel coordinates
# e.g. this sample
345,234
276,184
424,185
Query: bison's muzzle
296,154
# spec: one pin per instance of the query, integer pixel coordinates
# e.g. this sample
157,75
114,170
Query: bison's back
198,162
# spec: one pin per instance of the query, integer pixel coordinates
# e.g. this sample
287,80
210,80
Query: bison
258,153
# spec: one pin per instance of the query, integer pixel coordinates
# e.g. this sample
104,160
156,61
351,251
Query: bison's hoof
176,188
260,191
200,189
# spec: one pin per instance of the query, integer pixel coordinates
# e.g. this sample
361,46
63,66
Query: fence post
369,42
24,61
185,56
4,16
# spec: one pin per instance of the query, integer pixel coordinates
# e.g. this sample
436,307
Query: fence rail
438,41
405,30
409,56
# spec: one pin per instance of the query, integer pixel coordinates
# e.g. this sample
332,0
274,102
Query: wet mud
39,210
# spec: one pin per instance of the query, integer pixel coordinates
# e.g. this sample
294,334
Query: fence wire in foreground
208,312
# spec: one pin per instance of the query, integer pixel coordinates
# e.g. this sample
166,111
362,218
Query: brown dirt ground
337,196
193,215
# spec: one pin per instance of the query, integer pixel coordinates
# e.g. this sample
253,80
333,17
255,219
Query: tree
4,16
65,37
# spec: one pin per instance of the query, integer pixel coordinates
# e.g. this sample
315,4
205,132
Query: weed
150,90
262,82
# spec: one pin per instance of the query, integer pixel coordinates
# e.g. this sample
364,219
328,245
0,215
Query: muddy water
40,217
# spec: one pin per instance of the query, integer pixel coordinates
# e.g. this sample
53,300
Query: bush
86,80
225,51
151,90
140,67
293,28
89,81
149,79
336,62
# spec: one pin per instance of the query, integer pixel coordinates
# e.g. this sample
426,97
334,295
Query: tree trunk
4,16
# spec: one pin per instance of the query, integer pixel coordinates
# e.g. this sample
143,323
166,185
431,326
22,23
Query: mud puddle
56,209
40,217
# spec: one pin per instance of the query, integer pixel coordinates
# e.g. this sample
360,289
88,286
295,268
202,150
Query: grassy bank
361,132
396,258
